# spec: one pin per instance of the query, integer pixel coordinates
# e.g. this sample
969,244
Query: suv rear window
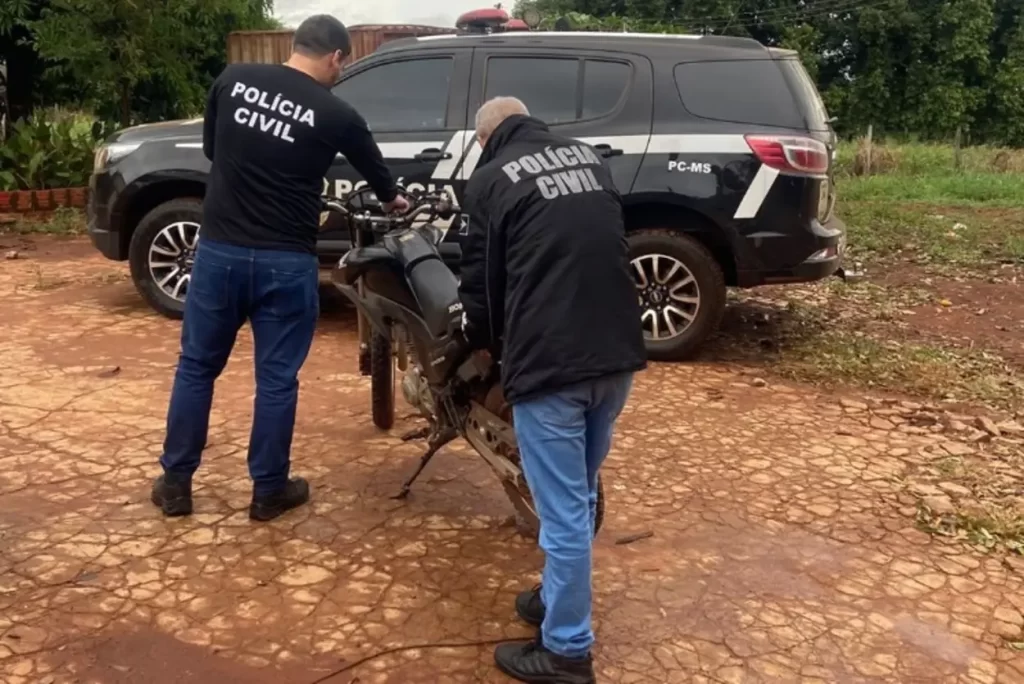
550,86
807,95
748,91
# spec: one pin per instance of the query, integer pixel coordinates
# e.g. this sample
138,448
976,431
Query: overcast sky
431,13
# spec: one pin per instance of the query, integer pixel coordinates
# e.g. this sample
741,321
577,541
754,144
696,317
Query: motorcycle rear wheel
382,381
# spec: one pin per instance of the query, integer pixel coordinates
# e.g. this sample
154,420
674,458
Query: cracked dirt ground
779,553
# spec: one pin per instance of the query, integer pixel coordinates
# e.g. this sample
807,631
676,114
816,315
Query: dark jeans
278,293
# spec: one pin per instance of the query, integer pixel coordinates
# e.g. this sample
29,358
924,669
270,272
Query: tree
24,67
908,67
125,58
1007,93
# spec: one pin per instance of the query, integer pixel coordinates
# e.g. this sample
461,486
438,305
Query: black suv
721,149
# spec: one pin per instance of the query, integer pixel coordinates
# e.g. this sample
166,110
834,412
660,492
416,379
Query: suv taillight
792,154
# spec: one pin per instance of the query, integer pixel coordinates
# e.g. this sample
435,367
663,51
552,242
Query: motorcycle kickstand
438,441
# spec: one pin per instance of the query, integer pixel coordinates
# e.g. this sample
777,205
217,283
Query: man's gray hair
494,111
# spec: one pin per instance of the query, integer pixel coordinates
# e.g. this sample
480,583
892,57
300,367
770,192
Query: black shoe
530,607
269,506
172,494
529,661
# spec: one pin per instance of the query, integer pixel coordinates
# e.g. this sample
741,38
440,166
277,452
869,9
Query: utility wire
777,15
783,16
821,6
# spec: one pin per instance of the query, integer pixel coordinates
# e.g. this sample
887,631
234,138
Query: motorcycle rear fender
358,260
439,357
380,311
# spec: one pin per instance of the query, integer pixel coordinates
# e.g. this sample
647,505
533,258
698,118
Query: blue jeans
277,292
563,439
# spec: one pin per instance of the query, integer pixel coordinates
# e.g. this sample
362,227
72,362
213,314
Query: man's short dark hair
321,34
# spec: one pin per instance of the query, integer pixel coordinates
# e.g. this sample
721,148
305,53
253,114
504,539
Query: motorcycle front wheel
382,381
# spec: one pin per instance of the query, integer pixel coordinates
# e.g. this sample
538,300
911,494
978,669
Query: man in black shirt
272,132
546,279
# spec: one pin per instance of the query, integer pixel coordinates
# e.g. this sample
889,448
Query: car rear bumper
99,225
826,259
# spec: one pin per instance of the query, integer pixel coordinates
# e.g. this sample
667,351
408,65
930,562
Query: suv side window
546,85
604,84
550,86
410,95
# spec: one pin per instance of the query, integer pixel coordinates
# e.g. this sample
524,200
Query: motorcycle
410,316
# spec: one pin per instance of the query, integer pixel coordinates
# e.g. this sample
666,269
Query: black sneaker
529,661
530,607
172,494
269,506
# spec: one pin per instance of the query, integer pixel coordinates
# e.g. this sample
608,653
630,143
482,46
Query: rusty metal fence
273,47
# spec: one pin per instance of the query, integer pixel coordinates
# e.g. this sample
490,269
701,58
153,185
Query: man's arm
210,119
355,141
482,271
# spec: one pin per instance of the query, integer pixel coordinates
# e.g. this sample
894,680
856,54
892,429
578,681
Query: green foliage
12,12
115,46
47,152
1007,93
908,67
129,61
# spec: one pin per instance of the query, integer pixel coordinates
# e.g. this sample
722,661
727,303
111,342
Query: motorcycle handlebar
438,205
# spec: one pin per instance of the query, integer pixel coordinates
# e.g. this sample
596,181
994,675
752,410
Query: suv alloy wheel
681,291
162,252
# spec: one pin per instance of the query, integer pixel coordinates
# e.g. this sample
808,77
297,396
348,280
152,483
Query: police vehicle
720,147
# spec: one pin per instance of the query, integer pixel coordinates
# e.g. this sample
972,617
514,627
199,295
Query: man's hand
399,205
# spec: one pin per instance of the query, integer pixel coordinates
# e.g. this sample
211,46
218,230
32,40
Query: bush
53,149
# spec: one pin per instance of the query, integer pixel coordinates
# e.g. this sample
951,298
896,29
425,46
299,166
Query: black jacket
545,268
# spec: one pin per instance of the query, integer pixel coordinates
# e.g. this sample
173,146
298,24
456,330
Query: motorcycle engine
417,392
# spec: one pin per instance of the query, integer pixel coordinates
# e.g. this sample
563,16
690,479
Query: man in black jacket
271,131
546,281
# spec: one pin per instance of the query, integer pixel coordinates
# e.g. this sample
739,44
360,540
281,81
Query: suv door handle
607,150
432,154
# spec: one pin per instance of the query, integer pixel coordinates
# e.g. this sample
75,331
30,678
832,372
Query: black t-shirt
272,132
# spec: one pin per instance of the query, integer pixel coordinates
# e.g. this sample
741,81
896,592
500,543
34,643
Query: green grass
916,206
926,159
986,189
836,356
969,237
842,335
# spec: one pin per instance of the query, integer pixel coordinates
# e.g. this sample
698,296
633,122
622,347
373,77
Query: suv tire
164,222
683,262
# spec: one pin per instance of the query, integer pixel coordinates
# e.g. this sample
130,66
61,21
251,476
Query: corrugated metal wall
274,47
265,47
